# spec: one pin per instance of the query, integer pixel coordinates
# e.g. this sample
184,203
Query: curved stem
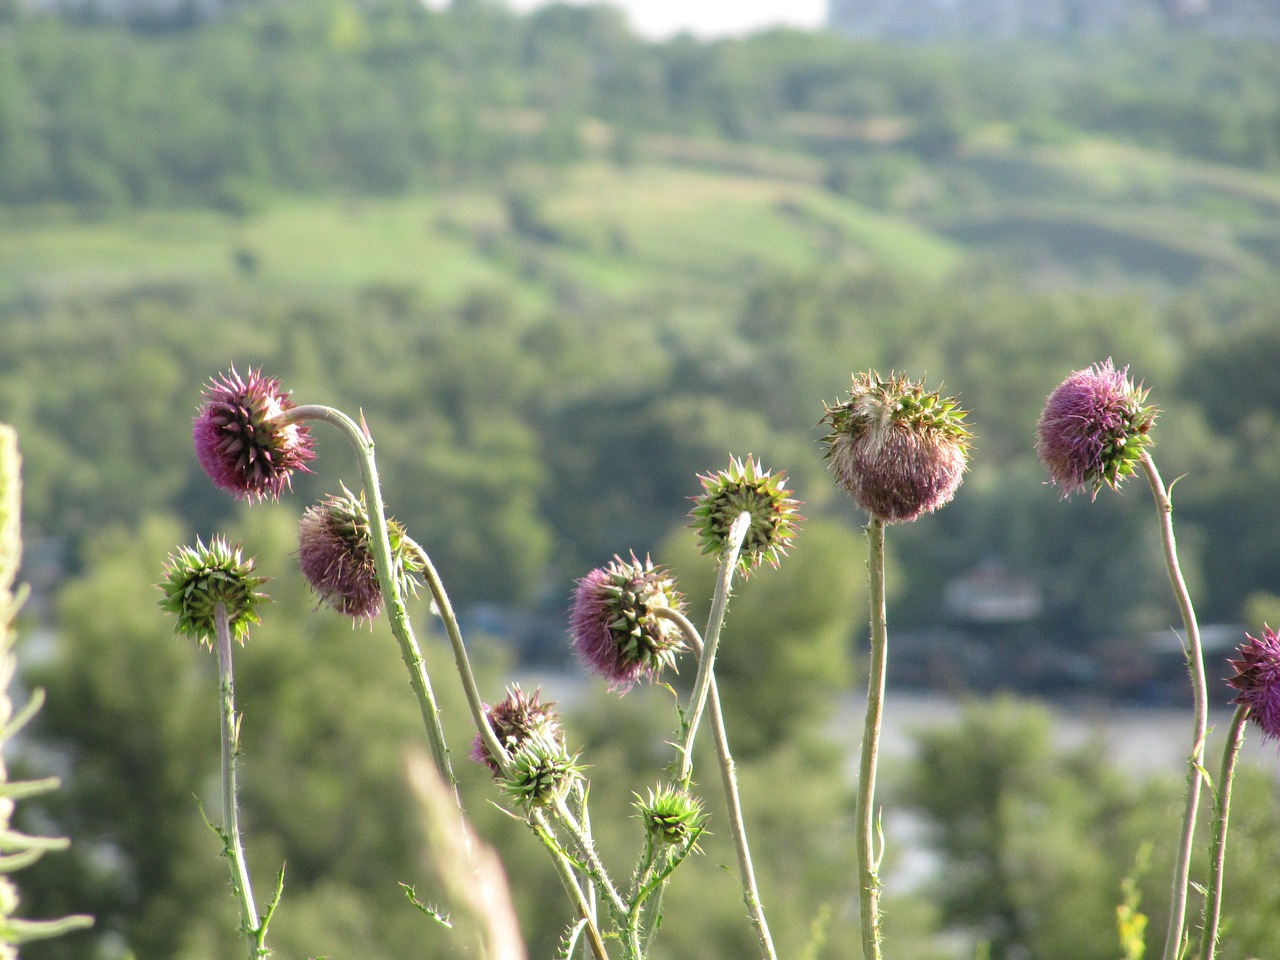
719,603
729,780
253,930
1195,665
392,595
1213,898
868,863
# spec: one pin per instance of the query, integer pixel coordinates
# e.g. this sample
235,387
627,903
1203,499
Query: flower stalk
1217,859
868,862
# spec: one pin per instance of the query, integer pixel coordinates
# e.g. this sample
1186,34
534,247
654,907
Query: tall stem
719,603
570,881
868,862
1213,898
1195,665
392,595
253,931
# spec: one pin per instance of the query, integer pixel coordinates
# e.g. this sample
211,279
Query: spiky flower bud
1094,428
516,719
241,441
898,449
198,578
541,771
335,554
746,487
671,815
615,629
1258,681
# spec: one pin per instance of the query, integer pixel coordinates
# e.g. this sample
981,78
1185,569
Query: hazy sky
709,18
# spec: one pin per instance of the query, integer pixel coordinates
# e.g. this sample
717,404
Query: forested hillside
561,271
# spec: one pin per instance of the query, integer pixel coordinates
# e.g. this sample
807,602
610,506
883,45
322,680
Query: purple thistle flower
1094,429
900,451
613,625
1258,681
516,719
240,441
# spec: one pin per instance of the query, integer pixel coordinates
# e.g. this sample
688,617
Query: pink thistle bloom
240,440
613,623
900,451
515,720
1258,681
1094,429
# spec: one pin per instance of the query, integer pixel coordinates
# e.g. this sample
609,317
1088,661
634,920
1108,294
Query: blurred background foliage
561,270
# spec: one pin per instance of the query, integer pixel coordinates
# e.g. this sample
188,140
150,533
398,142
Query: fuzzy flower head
335,554
746,487
615,629
1258,681
516,719
1094,428
198,578
240,440
898,449
671,816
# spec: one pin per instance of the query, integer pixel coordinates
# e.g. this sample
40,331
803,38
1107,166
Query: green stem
570,881
868,863
1195,665
719,603
729,780
240,883
392,594
1213,898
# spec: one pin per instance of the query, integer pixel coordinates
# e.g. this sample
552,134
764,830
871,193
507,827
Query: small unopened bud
540,771
198,578
671,815
746,487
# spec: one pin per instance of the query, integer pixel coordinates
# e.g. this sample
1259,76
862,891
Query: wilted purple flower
336,556
516,719
899,450
615,629
1258,681
1094,428
240,440
746,487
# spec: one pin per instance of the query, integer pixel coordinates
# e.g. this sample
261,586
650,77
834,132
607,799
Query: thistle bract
746,487
615,628
518,718
541,771
198,578
1257,681
898,449
671,815
1094,428
241,440
335,554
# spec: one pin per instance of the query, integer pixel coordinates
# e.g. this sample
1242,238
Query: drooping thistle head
898,449
1094,429
614,626
518,718
335,554
1257,681
198,578
746,487
241,440
671,815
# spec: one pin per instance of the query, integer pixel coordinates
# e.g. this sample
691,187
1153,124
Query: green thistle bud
746,487
671,815
541,771
198,578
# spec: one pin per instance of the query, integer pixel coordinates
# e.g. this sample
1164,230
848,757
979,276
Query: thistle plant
19,849
900,452
213,592
1095,430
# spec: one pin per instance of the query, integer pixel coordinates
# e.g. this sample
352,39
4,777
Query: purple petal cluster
1093,429
1257,681
241,441
614,626
335,556
516,719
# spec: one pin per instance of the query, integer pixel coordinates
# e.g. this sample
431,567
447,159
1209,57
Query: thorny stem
868,863
392,595
255,932
1195,665
570,881
719,603
1213,897
729,780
